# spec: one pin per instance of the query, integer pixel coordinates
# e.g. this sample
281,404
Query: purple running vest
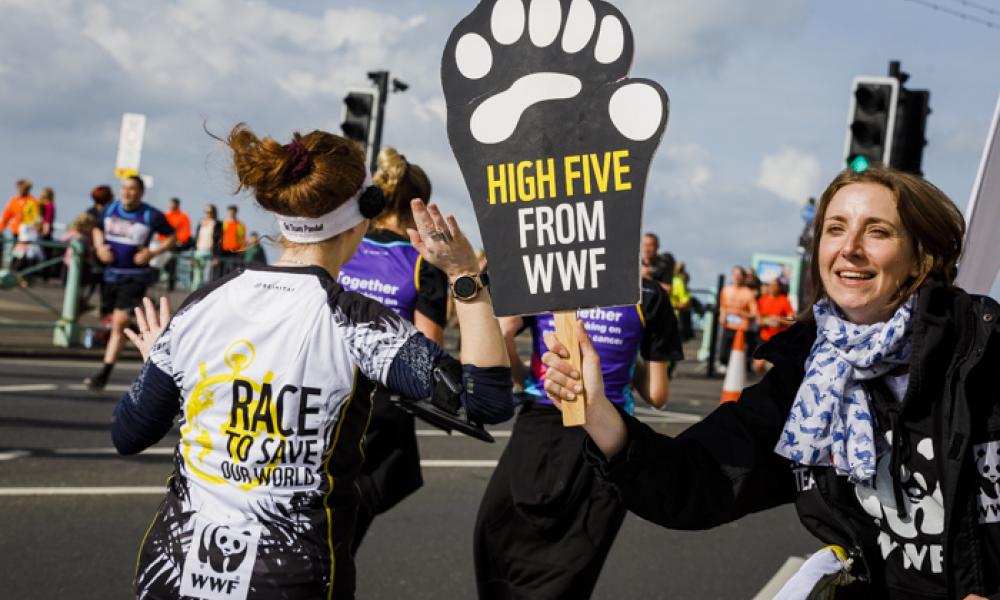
386,272
616,333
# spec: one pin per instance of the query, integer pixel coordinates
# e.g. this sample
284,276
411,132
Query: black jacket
725,466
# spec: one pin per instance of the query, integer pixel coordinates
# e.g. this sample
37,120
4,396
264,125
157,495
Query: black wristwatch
466,287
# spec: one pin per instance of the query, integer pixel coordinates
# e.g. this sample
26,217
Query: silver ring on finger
437,235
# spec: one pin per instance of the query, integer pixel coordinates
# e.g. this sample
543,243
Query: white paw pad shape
635,109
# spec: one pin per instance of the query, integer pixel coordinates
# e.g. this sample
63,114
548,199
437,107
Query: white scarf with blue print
830,422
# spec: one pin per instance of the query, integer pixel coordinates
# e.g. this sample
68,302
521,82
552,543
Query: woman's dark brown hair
933,222
401,182
336,170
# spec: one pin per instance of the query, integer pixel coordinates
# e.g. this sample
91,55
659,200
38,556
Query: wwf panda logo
988,468
222,548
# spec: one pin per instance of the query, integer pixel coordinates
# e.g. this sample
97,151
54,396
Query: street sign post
130,145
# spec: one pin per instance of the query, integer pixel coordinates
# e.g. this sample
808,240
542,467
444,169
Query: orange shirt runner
12,213
776,307
233,236
179,220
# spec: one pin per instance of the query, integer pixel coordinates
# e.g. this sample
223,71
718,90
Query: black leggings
546,523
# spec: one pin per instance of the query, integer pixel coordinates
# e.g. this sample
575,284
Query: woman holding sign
545,523
880,419
390,270
272,369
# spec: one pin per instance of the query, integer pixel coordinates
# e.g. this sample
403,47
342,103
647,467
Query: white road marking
460,464
163,451
89,365
84,491
158,451
114,387
29,387
500,433
651,415
778,580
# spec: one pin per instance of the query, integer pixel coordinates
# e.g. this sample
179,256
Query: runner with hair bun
273,369
387,268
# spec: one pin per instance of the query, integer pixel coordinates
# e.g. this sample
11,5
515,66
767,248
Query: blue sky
759,98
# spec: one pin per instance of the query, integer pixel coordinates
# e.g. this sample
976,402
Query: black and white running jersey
273,369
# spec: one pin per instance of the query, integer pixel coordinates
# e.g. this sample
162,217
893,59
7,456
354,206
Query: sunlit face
736,276
131,194
649,247
865,255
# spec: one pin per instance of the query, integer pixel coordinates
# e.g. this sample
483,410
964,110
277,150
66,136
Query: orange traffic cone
736,370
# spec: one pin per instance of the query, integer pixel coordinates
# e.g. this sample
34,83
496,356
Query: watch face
465,287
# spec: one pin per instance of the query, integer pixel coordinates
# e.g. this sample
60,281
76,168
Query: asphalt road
72,513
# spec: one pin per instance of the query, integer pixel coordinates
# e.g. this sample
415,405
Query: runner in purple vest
387,268
545,524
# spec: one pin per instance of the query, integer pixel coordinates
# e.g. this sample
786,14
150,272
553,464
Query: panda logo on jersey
222,548
988,468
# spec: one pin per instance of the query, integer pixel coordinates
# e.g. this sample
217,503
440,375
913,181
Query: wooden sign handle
574,412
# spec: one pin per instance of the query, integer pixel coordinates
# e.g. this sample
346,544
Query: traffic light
359,115
872,121
911,123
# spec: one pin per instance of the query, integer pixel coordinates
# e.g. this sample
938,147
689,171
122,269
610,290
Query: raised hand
440,240
151,323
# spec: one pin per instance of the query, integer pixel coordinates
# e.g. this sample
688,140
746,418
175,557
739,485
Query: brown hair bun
335,172
400,181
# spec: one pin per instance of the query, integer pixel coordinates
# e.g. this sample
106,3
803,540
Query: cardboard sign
554,144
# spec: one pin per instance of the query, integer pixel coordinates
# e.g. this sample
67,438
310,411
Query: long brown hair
401,181
336,170
934,223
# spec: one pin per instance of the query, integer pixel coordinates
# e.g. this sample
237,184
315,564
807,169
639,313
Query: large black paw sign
554,144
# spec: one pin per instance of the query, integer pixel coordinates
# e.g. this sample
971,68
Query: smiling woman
881,234
880,418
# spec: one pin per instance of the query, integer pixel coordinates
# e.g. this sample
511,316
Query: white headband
309,230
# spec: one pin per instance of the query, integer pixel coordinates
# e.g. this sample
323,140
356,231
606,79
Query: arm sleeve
160,224
717,471
146,412
432,295
661,340
486,391
100,217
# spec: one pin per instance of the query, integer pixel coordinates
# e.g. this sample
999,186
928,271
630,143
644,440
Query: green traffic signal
860,164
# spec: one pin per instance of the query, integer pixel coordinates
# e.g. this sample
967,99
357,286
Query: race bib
219,563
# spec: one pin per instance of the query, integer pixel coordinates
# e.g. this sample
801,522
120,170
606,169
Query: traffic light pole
911,124
381,81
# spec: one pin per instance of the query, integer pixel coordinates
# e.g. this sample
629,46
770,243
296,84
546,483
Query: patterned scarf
830,422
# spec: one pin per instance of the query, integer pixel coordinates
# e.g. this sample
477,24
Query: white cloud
685,33
791,174
688,172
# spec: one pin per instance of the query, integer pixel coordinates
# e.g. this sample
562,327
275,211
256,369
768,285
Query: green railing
65,330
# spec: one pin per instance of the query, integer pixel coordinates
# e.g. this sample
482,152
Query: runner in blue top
121,240
387,268
545,524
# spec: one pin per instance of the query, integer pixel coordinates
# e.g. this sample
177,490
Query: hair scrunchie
371,202
299,163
